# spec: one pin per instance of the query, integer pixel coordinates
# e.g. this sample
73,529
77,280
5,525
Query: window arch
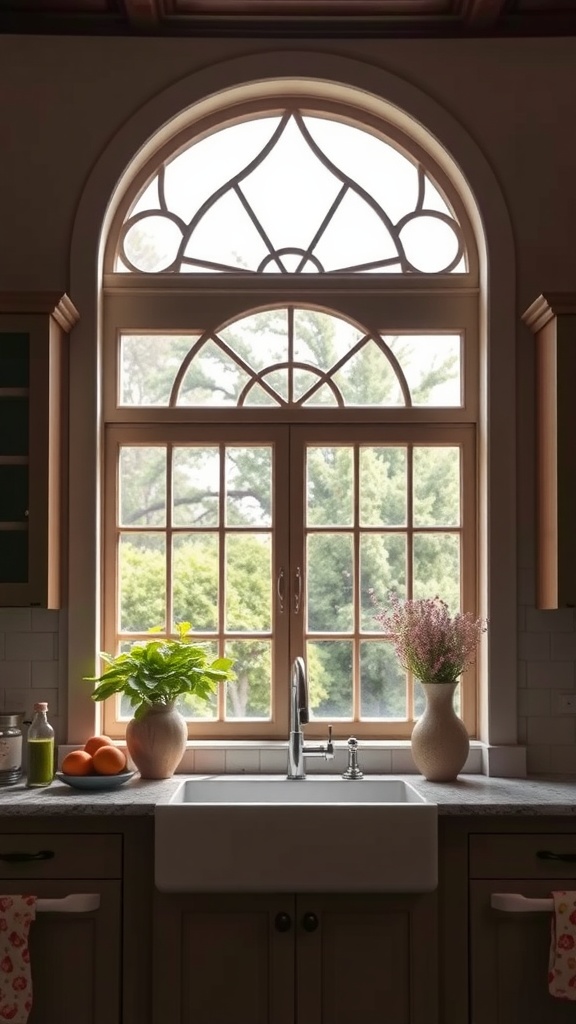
293,190
291,400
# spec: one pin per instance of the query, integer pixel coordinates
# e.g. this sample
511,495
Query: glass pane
249,696
249,582
329,664
382,570
14,556
383,486
142,486
321,339
256,394
249,486
151,244
382,682
432,365
437,567
212,378
225,238
436,486
13,493
14,360
13,426
290,192
356,236
148,366
367,378
195,563
142,581
419,699
430,243
383,171
260,339
195,486
330,583
330,486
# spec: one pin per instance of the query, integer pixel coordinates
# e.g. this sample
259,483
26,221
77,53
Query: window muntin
291,192
291,357
281,542
416,320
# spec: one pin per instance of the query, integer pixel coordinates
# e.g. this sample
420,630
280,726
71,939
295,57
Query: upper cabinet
552,318
33,445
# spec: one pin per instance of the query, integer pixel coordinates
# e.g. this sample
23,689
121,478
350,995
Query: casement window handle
280,588
297,590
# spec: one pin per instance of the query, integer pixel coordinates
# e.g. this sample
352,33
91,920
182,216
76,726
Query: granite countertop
471,794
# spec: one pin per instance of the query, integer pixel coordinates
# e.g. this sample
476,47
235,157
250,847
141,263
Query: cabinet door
509,957
75,957
33,425
366,958
223,959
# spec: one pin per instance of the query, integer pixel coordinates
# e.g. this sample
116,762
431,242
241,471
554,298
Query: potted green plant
152,675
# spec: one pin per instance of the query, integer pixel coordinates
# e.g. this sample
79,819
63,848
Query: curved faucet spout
300,709
299,716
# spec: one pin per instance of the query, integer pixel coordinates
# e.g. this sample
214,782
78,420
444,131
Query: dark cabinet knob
310,922
282,922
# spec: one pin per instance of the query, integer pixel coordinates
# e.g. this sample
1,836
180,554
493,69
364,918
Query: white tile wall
32,667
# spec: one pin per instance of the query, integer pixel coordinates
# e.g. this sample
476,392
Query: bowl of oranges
97,765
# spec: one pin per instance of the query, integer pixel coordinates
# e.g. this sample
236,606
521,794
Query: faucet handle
329,745
352,771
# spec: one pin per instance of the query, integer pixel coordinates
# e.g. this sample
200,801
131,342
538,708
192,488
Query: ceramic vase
440,742
157,741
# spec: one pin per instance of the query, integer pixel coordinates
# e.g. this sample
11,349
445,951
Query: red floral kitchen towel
562,963
16,915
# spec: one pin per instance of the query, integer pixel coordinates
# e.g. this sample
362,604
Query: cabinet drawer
65,855
536,855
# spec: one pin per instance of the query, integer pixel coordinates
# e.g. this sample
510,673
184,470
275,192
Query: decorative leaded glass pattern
291,358
291,192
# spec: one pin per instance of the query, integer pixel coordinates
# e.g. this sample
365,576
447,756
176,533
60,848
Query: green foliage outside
330,502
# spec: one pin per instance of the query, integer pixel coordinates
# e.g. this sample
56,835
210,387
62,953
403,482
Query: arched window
290,356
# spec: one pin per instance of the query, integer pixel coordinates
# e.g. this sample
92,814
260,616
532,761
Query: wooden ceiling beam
142,14
483,14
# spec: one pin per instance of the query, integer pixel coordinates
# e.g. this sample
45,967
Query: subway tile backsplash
32,667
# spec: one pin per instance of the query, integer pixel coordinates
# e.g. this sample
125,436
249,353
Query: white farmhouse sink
264,833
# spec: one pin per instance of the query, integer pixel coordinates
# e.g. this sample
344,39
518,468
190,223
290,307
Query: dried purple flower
430,643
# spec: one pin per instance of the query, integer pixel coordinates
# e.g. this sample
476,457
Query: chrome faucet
299,716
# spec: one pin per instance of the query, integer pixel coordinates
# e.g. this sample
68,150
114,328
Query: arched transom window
290,408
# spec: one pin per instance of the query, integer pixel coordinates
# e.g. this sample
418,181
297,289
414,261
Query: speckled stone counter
471,794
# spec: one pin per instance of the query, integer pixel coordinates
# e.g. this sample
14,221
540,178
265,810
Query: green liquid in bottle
40,762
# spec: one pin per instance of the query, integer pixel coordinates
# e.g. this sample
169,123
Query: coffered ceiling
396,18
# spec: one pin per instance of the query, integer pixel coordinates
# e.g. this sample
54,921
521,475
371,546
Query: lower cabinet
270,959
509,948
75,943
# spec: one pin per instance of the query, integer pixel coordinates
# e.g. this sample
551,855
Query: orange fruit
109,760
94,742
77,762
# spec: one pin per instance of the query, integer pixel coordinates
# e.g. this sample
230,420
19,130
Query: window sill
391,757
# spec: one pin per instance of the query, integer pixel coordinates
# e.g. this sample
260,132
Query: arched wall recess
431,126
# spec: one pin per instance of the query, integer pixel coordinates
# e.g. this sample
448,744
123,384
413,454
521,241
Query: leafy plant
159,671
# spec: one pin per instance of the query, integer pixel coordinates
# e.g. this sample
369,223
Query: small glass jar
10,747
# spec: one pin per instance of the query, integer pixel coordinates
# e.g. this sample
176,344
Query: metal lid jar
10,747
